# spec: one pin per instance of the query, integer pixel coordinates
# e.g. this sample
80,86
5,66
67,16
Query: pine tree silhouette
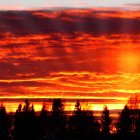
29,121
124,125
75,120
133,103
18,124
82,123
25,127
44,123
4,124
54,125
58,119
105,121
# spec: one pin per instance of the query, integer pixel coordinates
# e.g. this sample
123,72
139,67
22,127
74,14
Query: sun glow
129,61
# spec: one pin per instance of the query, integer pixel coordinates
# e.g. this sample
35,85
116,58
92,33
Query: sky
20,4
90,54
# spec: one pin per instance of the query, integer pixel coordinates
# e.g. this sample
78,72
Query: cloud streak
70,54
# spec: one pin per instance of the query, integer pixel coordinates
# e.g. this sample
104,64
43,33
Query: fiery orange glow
99,12
90,54
129,61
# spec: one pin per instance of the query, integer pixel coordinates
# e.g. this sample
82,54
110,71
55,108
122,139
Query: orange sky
81,54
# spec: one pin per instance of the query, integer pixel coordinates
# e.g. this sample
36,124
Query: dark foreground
56,125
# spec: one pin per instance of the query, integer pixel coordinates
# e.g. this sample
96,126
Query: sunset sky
91,54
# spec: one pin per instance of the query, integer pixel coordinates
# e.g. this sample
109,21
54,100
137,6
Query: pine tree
44,123
105,121
75,120
82,123
18,123
58,119
25,122
29,121
4,123
124,125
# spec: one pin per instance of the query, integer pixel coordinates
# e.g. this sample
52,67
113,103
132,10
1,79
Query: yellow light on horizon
68,106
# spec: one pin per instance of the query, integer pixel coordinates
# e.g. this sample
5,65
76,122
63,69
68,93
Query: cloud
88,85
132,6
69,21
83,54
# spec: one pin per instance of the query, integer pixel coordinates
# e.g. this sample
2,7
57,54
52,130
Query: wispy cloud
85,54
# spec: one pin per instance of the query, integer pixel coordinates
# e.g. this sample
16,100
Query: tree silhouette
44,123
58,119
124,125
75,120
53,125
105,121
4,124
137,126
133,103
25,122
18,124
77,106
89,125
82,122
29,121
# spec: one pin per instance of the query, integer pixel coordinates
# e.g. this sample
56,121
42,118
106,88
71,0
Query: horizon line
59,8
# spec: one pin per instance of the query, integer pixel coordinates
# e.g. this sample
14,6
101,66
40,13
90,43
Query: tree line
57,125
